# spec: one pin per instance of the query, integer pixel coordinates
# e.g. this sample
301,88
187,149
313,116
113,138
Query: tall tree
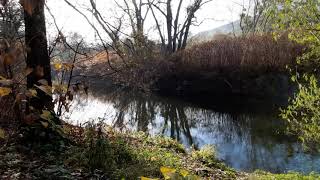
37,53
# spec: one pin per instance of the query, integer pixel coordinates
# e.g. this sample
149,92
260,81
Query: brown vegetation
253,53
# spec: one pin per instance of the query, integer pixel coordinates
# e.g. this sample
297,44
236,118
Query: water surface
244,140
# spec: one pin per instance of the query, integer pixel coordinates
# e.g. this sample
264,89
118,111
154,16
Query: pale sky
213,14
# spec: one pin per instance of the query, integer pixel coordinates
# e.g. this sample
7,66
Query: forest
160,89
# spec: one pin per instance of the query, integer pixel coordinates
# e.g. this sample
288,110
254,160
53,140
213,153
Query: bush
303,114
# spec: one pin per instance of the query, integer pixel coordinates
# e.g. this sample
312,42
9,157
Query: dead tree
137,15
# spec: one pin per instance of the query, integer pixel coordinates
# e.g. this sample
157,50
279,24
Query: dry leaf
5,91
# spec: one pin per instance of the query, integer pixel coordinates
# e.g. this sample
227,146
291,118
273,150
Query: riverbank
101,153
253,67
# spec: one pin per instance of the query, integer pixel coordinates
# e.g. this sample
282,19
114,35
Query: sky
212,15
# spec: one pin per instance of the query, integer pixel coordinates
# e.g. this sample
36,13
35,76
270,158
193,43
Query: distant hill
224,30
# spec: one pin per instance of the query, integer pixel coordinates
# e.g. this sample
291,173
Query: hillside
230,28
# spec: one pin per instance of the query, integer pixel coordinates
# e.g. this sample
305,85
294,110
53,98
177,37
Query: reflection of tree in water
246,141
140,111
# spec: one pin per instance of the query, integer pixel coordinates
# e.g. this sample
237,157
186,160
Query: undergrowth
135,155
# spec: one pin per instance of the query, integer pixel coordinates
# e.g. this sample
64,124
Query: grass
100,152
133,155
260,175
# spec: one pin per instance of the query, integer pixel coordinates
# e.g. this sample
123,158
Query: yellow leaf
57,66
184,173
167,172
2,78
5,91
44,124
46,115
2,134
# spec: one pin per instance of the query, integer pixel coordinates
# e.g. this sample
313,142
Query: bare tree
255,17
11,20
137,12
177,32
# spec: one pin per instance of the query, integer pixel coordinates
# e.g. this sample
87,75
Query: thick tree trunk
37,55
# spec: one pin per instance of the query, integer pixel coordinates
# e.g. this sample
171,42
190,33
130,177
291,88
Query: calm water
244,141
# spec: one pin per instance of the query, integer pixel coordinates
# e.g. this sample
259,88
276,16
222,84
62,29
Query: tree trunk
37,55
